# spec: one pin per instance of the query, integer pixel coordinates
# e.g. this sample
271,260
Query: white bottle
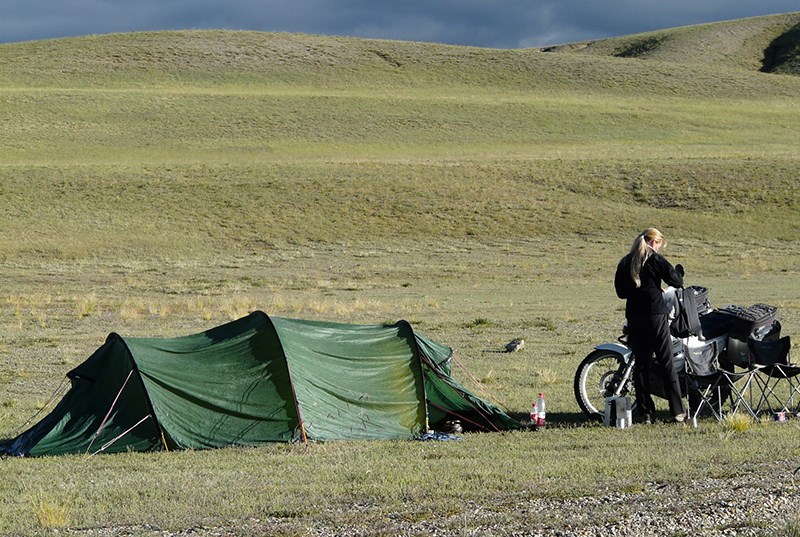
534,415
541,417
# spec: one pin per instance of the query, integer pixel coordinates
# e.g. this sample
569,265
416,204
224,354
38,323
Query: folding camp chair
777,379
714,387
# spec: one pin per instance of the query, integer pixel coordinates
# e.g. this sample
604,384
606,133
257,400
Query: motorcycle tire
597,377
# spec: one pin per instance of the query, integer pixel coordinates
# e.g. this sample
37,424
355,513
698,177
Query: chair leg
769,399
789,376
737,399
705,399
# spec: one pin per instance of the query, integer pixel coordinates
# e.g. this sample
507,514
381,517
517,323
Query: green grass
365,484
158,184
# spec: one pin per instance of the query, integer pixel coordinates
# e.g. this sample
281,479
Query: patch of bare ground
751,501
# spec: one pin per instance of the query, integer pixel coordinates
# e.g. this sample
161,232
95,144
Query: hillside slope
194,143
770,44
247,59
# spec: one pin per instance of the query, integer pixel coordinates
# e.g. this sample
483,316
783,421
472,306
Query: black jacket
646,299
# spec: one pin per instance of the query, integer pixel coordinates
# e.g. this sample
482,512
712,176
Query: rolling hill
768,44
201,141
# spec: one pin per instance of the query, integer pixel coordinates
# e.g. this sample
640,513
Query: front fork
624,378
627,358
623,350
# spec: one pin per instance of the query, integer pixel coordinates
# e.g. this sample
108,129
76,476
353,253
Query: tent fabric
354,382
229,385
72,427
255,380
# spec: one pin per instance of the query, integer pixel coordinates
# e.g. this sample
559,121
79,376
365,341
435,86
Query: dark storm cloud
485,23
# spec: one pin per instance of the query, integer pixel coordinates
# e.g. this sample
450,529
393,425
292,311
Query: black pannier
715,323
752,321
700,298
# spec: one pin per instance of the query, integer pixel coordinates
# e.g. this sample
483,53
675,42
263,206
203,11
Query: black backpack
687,320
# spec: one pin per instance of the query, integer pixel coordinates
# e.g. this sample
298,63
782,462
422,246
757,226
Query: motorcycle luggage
715,323
701,298
738,353
687,318
749,321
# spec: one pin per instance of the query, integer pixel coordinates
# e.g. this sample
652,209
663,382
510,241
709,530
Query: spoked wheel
598,377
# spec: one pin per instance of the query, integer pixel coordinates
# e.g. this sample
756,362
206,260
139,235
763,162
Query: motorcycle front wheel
597,377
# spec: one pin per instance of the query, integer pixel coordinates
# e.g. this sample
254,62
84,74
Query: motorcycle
719,341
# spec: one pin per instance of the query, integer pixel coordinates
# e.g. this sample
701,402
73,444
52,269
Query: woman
638,280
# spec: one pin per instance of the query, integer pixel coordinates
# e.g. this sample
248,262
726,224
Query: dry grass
51,513
739,44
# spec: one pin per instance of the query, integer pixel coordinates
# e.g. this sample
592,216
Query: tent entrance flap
72,425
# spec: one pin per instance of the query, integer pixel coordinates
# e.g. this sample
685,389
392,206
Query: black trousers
649,339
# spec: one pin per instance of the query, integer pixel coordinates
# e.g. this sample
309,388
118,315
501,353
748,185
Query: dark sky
486,23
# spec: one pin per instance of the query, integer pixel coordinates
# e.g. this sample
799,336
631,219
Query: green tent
254,380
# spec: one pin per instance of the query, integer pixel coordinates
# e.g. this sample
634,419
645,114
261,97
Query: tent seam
419,353
144,388
301,424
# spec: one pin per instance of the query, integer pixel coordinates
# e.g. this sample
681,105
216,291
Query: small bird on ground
515,345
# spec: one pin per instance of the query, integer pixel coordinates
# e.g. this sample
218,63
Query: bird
515,345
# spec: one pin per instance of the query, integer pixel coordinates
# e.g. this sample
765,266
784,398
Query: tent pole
135,367
419,356
108,414
300,421
110,442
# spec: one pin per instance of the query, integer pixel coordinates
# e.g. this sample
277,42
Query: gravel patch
757,502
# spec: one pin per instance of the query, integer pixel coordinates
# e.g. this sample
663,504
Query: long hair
641,251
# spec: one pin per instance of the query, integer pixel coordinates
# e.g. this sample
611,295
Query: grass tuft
479,322
737,423
86,306
50,512
548,376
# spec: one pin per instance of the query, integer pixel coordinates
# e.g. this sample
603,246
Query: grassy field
159,184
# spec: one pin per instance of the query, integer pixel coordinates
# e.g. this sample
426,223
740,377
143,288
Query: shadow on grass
558,420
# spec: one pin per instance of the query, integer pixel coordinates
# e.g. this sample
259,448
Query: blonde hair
641,251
